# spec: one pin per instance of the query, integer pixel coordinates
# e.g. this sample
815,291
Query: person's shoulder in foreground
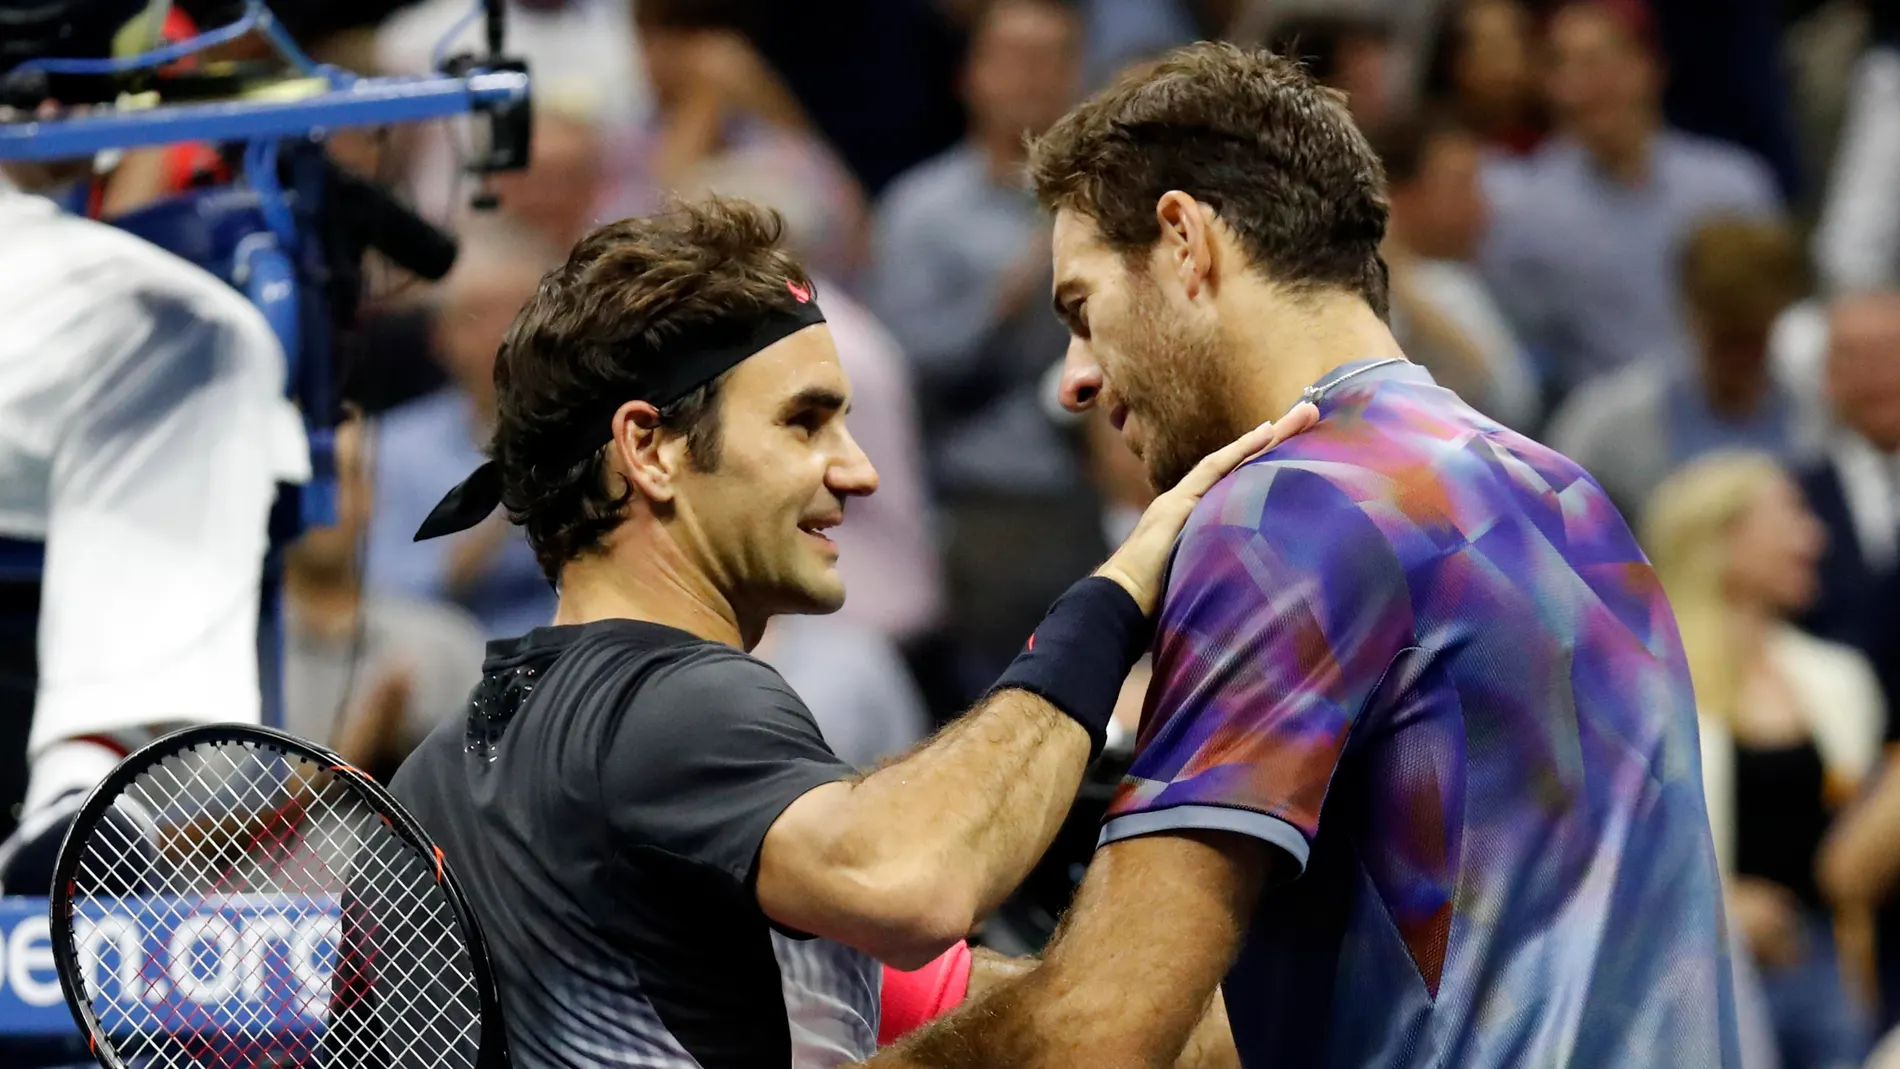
1423,657
108,268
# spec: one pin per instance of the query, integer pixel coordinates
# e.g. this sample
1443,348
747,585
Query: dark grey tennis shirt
603,804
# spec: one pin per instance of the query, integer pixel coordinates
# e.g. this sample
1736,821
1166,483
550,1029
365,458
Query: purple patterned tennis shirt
1423,656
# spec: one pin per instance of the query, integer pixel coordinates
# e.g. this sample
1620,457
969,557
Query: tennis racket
233,897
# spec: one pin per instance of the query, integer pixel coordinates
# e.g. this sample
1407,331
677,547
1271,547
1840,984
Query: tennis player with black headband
671,867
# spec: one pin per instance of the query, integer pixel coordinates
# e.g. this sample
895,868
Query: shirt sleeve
710,753
1285,606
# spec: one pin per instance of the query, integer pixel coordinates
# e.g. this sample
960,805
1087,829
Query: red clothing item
914,999
186,160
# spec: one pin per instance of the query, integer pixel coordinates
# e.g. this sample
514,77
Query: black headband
687,362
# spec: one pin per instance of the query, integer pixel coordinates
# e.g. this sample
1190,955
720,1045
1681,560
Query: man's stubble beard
768,573
1178,385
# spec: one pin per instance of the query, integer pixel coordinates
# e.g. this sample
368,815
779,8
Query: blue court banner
30,1002
239,965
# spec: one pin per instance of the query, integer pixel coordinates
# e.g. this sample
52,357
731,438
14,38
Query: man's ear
644,454
1187,243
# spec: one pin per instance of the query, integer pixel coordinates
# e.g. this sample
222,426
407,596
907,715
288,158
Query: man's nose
852,475
1081,378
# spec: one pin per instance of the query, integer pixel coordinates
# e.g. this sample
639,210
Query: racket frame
492,1046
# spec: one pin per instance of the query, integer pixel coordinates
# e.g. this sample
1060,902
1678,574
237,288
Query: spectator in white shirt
1856,492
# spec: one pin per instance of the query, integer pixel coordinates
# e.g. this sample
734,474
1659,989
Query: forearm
903,862
1132,979
1210,1047
968,813
1002,1027
1013,1017
1212,1044
1860,863
688,137
990,970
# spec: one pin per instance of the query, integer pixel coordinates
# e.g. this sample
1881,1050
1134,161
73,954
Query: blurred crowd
1662,237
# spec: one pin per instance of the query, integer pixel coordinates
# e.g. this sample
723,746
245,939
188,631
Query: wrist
1081,653
1114,573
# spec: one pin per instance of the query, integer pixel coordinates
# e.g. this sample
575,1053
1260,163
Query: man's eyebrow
820,397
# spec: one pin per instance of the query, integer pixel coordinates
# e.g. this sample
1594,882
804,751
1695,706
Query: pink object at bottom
914,999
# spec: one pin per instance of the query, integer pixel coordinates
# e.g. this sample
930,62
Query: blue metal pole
270,280
365,102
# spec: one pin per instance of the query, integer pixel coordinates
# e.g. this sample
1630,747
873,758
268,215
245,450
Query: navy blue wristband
1081,653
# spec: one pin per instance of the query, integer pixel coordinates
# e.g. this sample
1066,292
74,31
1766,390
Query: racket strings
239,906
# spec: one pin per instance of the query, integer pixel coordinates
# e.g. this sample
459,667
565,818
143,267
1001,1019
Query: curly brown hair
1244,131
586,343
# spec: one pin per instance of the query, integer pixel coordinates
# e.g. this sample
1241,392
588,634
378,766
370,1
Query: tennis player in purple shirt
1418,781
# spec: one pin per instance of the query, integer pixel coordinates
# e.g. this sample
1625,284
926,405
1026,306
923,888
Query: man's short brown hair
1740,270
1248,133
587,342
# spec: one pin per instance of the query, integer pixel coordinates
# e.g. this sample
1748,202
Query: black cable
359,626
497,25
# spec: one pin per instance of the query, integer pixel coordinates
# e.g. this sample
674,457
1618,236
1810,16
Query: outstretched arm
905,861
902,863
1131,981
